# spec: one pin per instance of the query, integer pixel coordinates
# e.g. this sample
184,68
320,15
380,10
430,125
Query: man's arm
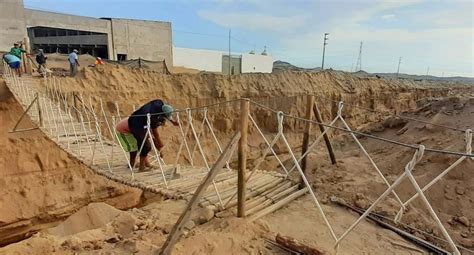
77,62
158,143
174,122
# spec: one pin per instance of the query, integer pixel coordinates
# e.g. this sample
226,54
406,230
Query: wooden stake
23,115
242,157
178,227
297,246
40,114
74,98
317,114
307,130
28,68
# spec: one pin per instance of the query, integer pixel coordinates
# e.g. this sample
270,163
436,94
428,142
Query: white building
217,61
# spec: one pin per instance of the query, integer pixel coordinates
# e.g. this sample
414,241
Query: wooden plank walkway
107,158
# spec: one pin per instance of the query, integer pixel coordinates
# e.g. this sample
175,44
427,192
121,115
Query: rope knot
148,120
469,141
339,109
188,111
280,116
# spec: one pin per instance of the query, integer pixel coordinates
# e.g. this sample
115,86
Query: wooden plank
297,246
242,156
307,130
319,119
177,228
279,204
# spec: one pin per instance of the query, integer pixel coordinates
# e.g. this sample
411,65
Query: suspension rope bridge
89,135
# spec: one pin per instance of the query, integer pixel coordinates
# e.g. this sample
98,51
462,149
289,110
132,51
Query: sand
102,229
41,183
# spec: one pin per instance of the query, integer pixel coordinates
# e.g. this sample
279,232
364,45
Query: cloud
439,36
253,21
380,7
388,16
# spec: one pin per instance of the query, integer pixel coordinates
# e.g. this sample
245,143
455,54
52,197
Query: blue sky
425,33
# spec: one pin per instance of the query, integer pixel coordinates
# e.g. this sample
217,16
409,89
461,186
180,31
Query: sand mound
92,216
40,183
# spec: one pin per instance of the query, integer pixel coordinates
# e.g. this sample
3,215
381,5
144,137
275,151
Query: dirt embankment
40,183
283,90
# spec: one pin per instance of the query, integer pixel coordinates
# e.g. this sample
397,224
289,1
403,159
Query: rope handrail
411,146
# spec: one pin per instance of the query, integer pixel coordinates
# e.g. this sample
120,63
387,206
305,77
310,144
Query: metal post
242,156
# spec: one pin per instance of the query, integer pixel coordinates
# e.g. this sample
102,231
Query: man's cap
168,111
75,51
99,58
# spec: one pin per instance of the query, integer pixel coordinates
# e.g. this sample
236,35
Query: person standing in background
73,62
17,51
41,60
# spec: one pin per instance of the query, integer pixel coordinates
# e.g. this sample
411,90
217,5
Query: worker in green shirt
17,50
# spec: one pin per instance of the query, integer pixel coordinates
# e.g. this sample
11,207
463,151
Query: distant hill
285,66
427,77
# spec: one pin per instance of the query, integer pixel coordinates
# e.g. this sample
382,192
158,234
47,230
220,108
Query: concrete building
217,61
111,38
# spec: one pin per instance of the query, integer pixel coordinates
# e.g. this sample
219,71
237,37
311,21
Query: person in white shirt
73,62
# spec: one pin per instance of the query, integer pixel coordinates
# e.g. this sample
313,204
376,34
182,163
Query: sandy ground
102,229
40,183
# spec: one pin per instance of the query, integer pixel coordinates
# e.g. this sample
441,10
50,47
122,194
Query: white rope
433,214
184,135
306,182
123,150
99,134
216,141
201,132
468,137
310,147
270,146
108,127
408,168
190,119
152,144
371,160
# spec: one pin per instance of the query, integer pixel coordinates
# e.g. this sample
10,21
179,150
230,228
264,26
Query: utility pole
428,71
324,48
229,51
359,59
398,69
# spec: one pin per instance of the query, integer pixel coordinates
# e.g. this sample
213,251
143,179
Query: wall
204,60
150,40
35,18
12,23
256,63
71,39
